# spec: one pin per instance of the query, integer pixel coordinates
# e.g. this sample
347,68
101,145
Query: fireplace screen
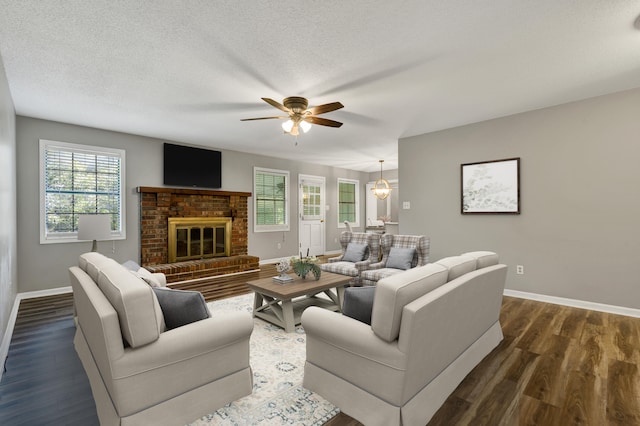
198,238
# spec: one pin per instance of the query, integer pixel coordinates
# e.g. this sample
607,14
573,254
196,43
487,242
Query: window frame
287,201
72,237
356,184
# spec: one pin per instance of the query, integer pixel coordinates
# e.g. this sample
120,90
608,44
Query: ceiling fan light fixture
287,126
305,126
299,116
381,188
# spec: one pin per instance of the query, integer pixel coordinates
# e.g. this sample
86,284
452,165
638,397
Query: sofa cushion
354,252
358,303
375,275
135,303
400,258
344,268
93,262
395,291
483,258
181,307
458,265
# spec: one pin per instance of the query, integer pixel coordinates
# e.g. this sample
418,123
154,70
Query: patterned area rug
277,360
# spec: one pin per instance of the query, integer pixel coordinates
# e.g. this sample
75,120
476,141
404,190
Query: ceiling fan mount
300,115
296,104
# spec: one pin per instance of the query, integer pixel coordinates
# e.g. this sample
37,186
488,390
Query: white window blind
79,179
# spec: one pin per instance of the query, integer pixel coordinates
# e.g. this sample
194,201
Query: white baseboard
43,293
275,260
8,334
574,303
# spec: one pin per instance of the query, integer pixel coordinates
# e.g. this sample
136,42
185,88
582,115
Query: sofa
142,372
430,326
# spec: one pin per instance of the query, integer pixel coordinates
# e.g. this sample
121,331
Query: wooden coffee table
282,304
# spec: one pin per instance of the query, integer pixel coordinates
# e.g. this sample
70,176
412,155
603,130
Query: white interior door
311,213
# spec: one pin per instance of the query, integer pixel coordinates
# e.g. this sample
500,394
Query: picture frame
490,187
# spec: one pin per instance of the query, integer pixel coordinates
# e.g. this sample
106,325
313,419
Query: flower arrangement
283,266
303,265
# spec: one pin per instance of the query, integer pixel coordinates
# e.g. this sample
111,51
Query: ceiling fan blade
262,118
323,121
322,109
276,104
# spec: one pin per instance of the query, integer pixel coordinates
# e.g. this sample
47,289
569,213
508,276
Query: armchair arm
335,259
185,342
161,278
362,265
377,265
348,336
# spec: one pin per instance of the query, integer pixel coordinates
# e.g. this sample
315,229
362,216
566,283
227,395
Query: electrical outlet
406,205
519,269
335,240
279,246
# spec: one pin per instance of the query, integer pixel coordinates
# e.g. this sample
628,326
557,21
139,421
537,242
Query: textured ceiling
188,71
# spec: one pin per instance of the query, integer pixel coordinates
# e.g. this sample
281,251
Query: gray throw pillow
400,258
354,252
181,307
358,303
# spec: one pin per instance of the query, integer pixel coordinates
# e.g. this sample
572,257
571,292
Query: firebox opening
198,238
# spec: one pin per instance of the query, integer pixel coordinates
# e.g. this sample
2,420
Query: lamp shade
94,227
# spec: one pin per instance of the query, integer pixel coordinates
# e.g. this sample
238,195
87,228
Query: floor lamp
94,227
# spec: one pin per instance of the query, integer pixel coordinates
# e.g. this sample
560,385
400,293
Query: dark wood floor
556,366
44,382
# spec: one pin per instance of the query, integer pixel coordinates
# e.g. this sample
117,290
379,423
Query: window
348,202
79,179
271,198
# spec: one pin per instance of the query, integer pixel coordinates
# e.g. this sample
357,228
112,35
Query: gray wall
8,244
578,234
44,266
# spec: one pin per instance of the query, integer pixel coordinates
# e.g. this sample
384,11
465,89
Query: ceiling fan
299,116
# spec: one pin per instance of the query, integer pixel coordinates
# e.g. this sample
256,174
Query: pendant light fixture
381,188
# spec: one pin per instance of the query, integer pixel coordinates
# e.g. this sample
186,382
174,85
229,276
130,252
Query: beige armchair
399,253
359,250
142,373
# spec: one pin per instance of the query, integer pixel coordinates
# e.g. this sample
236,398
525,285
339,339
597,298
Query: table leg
287,313
340,290
257,302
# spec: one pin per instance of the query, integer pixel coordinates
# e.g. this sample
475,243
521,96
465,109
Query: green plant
302,266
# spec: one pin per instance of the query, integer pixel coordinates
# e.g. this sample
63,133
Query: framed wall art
490,187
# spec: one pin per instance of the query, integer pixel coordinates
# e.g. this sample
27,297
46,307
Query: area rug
277,360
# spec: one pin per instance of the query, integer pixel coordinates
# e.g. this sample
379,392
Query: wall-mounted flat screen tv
188,166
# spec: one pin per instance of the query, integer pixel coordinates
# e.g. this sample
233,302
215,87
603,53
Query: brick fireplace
158,205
